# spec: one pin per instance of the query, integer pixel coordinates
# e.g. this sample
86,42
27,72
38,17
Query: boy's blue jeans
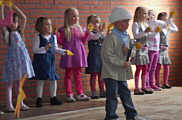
113,89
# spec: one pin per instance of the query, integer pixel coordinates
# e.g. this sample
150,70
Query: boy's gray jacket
113,60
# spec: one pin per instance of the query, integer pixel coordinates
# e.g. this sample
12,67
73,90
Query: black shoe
103,94
39,102
147,91
55,101
95,97
166,87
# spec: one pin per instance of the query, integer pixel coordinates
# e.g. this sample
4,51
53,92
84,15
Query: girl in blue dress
17,60
44,46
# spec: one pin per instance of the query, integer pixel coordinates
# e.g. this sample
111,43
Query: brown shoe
138,92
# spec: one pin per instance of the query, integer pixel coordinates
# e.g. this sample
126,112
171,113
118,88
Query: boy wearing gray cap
116,70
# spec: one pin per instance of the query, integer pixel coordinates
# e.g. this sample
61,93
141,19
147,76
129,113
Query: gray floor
162,105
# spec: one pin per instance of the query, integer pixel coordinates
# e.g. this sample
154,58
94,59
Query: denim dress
44,64
94,56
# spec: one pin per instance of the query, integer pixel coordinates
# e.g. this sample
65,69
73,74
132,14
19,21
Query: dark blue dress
94,56
44,64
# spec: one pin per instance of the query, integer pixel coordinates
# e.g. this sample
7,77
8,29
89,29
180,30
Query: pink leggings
144,69
77,79
165,74
93,82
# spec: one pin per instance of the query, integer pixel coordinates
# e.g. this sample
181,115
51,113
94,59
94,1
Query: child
95,40
17,60
5,22
45,43
115,69
153,43
141,60
73,38
163,53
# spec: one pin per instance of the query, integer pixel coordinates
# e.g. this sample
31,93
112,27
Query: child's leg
126,99
101,82
93,82
111,98
144,75
137,75
166,74
53,90
40,88
68,81
153,56
157,75
9,87
78,83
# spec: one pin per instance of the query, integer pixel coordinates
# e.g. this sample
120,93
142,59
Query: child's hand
148,29
69,53
48,46
125,49
102,27
126,64
90,27
9,3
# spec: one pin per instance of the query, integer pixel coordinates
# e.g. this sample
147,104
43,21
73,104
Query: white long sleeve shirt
42,50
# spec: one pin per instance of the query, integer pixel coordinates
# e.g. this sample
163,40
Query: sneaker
55,101
10,109
138,92
94,95
155,88
70,98
147,91
137,118
166,86
1,112
24,107
82,97
39,102
102,94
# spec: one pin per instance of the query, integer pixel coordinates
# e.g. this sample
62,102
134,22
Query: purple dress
76,45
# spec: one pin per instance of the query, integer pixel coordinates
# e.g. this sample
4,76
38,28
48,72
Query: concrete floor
162,105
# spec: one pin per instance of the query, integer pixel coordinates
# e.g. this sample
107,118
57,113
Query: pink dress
76,45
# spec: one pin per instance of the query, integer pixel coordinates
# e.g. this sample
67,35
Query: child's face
143,14
73,17
152,16
164,18
122,25
47,26
95,22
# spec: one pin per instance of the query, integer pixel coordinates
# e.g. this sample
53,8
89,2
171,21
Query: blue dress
17,60
94,56
44,64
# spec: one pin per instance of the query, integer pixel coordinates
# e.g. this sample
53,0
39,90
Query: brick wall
55,9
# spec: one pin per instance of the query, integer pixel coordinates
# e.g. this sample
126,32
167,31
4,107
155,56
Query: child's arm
85,36
136,33
172,26
60,36
23,17
57,49
36,44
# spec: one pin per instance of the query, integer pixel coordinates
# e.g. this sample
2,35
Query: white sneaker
1,112
70,98
24,107
82,97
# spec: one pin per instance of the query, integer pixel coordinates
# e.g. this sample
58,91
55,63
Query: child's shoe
147,91
166,86
82,97
70,98
24,107
94,95
138,92
55,101
155,88
39,102
10,109
1,112
102,94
